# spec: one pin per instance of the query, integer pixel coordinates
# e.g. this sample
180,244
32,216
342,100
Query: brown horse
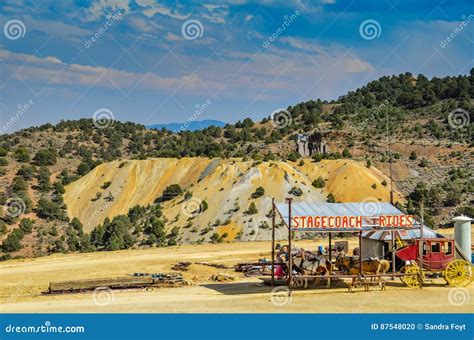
351,265
308,263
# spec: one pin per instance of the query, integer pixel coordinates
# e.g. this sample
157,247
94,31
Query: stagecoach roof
368,209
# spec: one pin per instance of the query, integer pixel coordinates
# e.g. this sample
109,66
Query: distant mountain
189,126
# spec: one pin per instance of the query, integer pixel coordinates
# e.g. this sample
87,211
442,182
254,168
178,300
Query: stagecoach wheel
458,273
412,281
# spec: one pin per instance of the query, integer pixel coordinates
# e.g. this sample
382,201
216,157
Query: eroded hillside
228,186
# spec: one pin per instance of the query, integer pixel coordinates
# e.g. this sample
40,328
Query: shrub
27,172
423,163
293,156
46,156
171,192
21,155
259,192
319,183
13,241
317,157
3,161
346,153
252,209
49,210
19,185
105,185
3,227
26,225
295,191
3,151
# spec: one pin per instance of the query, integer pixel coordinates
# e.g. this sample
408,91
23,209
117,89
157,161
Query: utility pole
389,154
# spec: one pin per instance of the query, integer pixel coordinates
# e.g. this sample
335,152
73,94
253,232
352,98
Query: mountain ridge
187,126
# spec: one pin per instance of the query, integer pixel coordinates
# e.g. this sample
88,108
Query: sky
150,61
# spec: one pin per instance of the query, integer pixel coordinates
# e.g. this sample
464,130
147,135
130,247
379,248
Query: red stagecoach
431,258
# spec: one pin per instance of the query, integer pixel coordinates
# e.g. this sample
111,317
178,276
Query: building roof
369,210
384,235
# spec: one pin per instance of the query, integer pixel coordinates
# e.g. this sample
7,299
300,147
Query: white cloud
52,70
106,8
54,28
173,37
150,8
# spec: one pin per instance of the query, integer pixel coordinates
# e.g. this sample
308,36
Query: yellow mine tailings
225,184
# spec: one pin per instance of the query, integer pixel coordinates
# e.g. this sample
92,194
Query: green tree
259,192
46,156
13,241
252,209
26,225
171,192
319,183
49,210
346,153
21,155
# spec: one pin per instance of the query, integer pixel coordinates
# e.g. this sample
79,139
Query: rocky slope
226,185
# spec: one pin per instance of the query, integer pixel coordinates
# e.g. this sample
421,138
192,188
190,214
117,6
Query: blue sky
152,61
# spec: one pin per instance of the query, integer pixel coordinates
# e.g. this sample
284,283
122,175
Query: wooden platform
124,282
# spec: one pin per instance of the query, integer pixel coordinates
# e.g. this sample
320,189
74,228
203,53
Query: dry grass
23,280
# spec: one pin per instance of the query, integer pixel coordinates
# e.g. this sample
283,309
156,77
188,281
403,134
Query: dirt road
22,281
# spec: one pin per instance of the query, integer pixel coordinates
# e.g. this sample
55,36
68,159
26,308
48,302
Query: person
279,272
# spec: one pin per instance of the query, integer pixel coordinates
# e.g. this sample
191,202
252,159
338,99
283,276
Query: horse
384,266
351,265
308,263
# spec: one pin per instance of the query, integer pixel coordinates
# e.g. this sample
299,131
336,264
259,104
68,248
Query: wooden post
290,258
361,271
330,247
421,243
393,254
273,242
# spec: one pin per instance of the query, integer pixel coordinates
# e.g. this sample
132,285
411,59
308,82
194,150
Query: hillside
227,187
54,177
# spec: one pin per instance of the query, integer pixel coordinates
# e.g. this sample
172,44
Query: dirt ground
22,282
